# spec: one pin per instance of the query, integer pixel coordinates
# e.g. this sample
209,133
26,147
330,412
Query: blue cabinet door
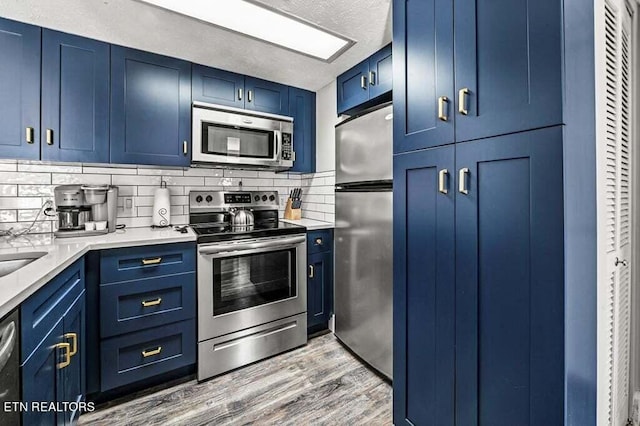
353,87
19,90
319,290
423,92
424,291
217,86
380,72
266,96
509,281
73,376
302,107
75,98
150,108
508,56
42,378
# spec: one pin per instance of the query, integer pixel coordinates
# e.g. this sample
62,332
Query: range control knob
257,198
272,197
199,199
209,198
264,198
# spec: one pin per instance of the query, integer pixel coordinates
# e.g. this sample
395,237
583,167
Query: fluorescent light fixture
261,22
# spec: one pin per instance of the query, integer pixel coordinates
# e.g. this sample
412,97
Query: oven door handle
243,247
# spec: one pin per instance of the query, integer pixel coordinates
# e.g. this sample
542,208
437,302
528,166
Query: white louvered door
614,88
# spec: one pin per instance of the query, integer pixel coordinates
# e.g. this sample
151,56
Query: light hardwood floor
319,384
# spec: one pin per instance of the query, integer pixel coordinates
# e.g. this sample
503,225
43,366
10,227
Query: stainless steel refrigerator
363,236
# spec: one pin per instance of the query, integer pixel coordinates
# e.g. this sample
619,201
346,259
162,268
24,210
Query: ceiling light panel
260,22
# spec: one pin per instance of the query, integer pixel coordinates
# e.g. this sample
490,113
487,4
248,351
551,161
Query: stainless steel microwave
237,138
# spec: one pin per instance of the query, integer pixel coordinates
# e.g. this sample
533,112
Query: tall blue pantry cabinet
478,212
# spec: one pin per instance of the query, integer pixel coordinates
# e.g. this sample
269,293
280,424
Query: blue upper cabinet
302,107
217,86
19,90
380,72
423,99
75,98
363,85
150,108
510,280
266,96
508,58
353,87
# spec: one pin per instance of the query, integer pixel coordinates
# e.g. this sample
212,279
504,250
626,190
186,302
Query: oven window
246,281
233,142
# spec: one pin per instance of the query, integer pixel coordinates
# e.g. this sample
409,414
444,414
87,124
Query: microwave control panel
287,147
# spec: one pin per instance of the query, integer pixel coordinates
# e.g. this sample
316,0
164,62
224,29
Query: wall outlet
129,203
635,409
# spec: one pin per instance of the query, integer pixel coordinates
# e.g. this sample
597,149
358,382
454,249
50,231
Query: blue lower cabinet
42,378
55,370
478,282
75,98
74,377
135,305
20,89
319,279
137,356
510,281
302,107
424,292
150,108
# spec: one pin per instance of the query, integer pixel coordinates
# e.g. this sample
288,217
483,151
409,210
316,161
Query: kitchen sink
11,262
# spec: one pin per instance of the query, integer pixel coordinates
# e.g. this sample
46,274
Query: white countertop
16,287
311,224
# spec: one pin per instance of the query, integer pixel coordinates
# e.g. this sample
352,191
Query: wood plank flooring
319,384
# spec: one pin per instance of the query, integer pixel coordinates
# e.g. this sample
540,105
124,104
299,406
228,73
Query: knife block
291,213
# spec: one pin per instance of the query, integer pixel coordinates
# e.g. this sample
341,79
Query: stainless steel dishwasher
10,365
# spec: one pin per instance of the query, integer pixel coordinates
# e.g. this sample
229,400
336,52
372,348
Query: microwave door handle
243,247
278,143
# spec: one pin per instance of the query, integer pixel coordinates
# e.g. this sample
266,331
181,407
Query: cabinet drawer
40,312
319,241
136,356
134,263
136,305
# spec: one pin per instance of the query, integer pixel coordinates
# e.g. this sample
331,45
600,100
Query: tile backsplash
26,185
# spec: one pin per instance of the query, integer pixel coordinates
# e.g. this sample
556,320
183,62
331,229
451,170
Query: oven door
248,283
236,139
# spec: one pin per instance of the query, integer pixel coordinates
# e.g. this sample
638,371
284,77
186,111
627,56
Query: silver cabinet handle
442,108
462,178
29,135
49,136
185,147
250,96
363,82
311,271
442,181
463,94
239,94
372,78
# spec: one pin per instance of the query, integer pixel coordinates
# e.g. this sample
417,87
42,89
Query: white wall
326,119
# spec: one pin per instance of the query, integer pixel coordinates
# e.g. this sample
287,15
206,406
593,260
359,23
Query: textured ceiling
135,24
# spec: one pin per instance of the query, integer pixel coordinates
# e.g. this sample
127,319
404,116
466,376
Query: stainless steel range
252,298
